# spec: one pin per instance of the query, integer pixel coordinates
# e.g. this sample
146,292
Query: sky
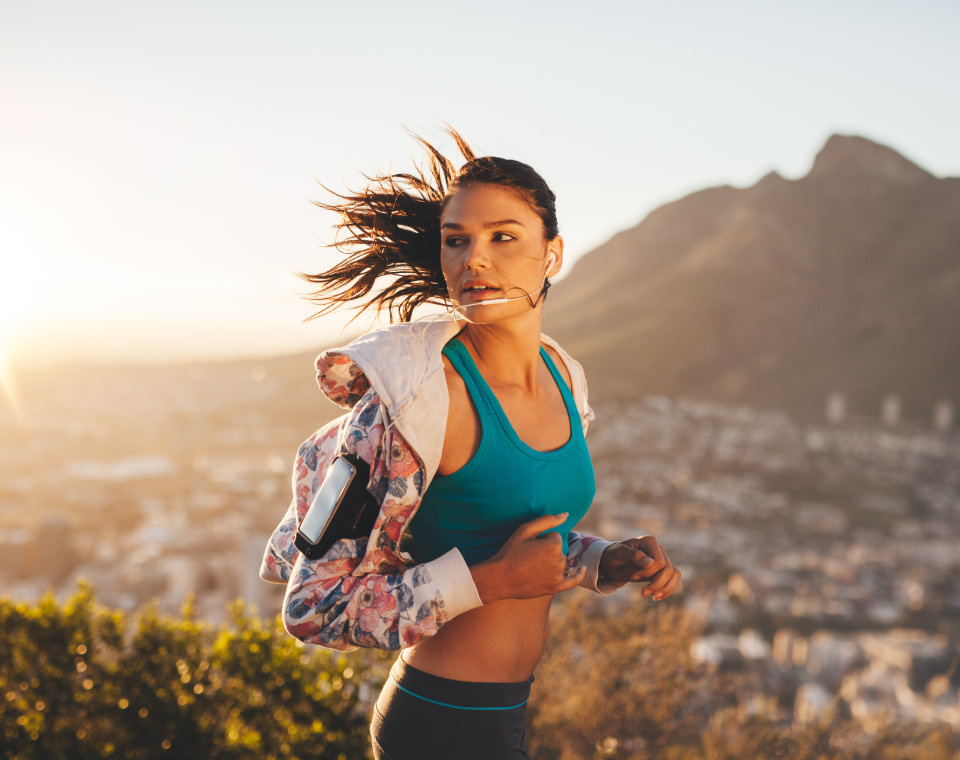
157,160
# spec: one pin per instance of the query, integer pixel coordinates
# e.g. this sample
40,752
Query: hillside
775,295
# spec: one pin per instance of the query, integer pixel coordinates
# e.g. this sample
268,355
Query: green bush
81,682
617,681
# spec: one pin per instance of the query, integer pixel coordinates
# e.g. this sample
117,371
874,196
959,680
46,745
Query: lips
477,289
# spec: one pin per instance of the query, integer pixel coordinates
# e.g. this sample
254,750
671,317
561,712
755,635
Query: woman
473,426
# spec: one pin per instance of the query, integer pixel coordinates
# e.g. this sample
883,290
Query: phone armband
341,508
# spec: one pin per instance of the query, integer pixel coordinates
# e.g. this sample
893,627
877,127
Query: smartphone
341,508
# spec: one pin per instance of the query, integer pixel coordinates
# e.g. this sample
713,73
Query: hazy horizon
157,166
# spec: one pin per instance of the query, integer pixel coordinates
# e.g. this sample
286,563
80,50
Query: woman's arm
610,565
327,604
638,560
362,593
585,552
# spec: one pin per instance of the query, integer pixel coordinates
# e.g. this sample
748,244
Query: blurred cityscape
151,483
823,556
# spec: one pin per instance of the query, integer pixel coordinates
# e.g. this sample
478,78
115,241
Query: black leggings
419,716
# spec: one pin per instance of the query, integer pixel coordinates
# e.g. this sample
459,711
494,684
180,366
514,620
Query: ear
554,257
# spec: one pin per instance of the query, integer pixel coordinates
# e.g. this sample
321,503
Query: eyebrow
485,225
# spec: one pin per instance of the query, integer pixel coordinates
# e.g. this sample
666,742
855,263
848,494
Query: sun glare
15,305
8,393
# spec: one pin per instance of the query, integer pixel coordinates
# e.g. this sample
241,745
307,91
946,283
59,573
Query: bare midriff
501,642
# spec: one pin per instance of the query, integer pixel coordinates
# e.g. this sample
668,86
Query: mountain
847,279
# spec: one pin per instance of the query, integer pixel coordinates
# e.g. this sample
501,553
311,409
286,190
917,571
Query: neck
507,351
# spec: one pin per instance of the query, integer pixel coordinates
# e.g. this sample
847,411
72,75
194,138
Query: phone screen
334,485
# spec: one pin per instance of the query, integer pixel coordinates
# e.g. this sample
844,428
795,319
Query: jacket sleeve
278,556
315,455
585,551
362,593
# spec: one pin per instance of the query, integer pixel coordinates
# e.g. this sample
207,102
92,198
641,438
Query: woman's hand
640,559
530,564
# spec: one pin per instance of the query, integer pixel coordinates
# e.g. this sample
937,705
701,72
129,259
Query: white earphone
550,259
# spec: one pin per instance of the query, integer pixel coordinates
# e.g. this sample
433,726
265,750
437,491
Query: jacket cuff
454,581
267,573
591,560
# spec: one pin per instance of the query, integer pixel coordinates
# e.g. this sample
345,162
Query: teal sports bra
506,482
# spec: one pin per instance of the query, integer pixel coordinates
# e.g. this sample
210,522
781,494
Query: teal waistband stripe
446,704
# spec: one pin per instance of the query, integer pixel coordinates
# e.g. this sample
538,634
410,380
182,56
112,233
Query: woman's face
492,246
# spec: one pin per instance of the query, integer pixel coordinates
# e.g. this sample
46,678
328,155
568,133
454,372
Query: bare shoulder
561,365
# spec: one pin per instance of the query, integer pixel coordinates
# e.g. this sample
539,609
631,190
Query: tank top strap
484,399
477,387
565,391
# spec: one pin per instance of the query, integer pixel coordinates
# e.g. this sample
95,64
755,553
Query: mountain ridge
845,279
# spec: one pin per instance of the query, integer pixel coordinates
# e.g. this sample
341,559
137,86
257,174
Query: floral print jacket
368,592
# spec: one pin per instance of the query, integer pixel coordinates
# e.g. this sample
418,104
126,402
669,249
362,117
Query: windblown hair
391,230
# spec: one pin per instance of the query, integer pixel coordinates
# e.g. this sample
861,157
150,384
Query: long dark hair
392,229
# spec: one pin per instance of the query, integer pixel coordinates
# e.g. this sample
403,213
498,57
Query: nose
475,257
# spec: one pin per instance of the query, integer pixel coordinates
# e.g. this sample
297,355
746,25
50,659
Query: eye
503,237
453,241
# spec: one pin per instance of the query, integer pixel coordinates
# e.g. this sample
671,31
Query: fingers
670,587
572,581
532,562
557,579
539,525
660,593
655,559
635,565
658,579
641,559
665,582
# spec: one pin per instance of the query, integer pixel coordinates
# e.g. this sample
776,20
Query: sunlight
7,387
6,341
16,307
